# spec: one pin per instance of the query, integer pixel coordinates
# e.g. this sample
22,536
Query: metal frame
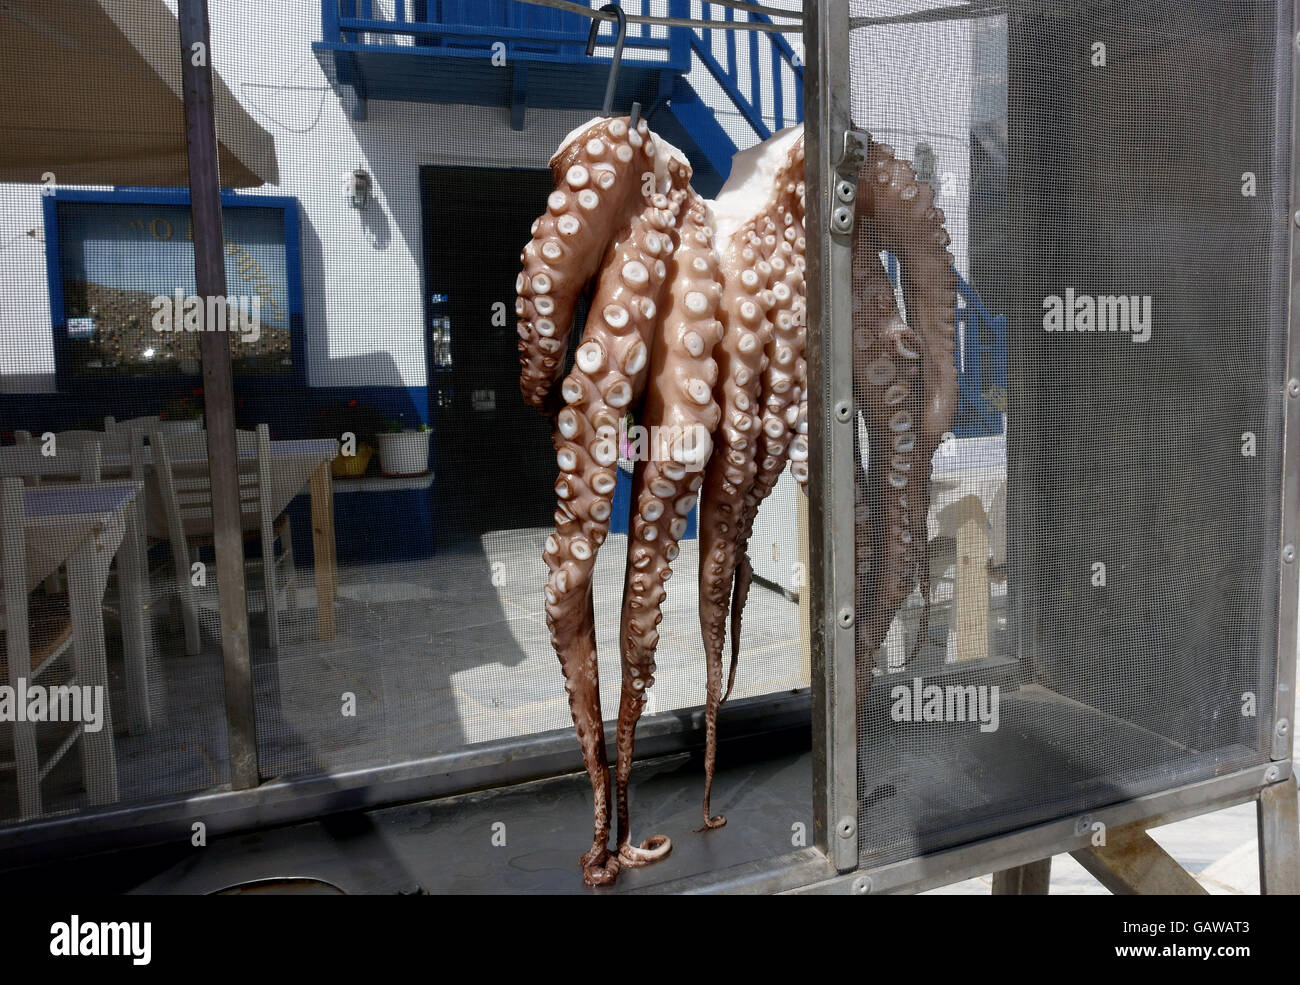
829,140
1045,840
1289,567
489,764
830,426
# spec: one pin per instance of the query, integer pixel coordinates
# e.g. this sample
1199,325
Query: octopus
906,371
696,325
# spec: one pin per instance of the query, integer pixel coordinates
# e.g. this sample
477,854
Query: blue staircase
519,55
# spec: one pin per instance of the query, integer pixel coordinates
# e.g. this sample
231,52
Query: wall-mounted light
356,189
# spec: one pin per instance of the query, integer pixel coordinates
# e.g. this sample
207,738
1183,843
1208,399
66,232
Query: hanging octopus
697,324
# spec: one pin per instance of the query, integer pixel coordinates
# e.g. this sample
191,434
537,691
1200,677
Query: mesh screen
1103,519
397,505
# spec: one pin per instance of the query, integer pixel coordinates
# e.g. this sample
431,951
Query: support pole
1279,839
218,390
1024,880
1133,864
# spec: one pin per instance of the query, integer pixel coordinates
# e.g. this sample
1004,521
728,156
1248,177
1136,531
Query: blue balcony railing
525,30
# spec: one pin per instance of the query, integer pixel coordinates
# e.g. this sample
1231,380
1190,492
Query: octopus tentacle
598,187
609,371
747,300
784,247
680,414
887,369
903,219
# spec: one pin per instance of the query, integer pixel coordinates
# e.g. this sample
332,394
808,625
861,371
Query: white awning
91,93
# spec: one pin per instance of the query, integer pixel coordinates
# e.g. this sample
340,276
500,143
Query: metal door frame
829,139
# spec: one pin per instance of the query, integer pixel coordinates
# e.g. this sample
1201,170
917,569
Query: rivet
1297,218
843,411
1272,774
846,617
846,827
1282,727
842,219
845,191
861,886
1293,387
1288,553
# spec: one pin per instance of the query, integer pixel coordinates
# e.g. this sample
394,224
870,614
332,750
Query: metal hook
619,38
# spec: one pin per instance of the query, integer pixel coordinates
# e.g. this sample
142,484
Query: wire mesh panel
1079,607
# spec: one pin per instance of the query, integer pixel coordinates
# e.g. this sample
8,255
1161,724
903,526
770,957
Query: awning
92,94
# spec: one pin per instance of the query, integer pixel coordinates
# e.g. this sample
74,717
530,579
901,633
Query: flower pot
404,453
352,466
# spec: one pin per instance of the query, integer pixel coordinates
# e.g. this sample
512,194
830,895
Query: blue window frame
111,254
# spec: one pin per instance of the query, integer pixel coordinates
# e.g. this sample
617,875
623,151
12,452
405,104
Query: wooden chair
181,469
36,634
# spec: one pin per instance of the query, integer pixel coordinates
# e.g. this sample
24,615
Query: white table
83,526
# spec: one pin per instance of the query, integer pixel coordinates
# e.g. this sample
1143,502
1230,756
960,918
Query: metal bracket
853,154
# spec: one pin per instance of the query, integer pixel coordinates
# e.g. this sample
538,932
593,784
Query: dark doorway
494,459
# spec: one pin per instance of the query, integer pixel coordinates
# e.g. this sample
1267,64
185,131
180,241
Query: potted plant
183,413
403,450
354,425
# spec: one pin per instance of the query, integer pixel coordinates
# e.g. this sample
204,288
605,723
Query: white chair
112,424
36,635
79,459
181,469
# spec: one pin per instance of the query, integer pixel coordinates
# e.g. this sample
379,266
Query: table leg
87,578
970,601
322,538
137,628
